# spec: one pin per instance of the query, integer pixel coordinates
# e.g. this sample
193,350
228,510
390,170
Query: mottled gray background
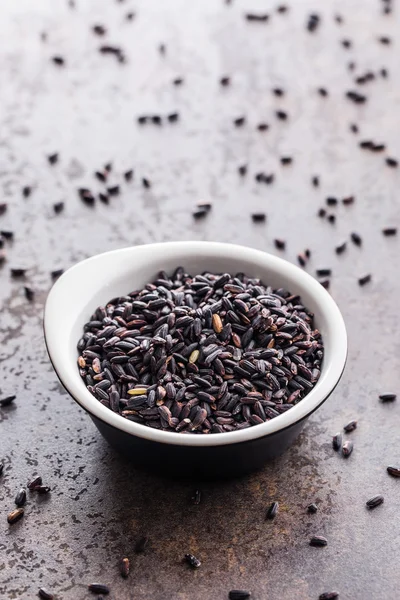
86,111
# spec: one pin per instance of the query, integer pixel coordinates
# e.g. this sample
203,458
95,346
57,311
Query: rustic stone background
86,111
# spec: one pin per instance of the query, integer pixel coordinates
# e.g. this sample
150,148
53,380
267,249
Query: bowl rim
300,411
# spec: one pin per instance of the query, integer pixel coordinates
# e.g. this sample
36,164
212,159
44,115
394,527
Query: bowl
92,282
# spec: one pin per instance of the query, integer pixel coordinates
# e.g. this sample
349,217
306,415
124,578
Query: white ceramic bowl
94,281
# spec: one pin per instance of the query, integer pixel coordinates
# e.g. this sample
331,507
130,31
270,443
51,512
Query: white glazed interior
94,281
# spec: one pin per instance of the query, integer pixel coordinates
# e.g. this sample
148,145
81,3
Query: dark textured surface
99,505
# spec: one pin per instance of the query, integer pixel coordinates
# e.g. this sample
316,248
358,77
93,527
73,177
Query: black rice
173,117
302,260
56,274
17,272
42,490
58,207
281,115
331,201
98,588
387,397
313,22
394,471
280,244
318,541
124,567
20,498
328,596
103,198
86,196
194,562
272,511
312,509
239,121
201,211
389,231
364,279
34,483
375,501
58,60
259,217
392,162
347,449
99,29
239,595
146,183
101,176
7,400
259,18
113,190
15,515
366,144
356,238
356,97
341,248
114,51
45,594
350,426
204,354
